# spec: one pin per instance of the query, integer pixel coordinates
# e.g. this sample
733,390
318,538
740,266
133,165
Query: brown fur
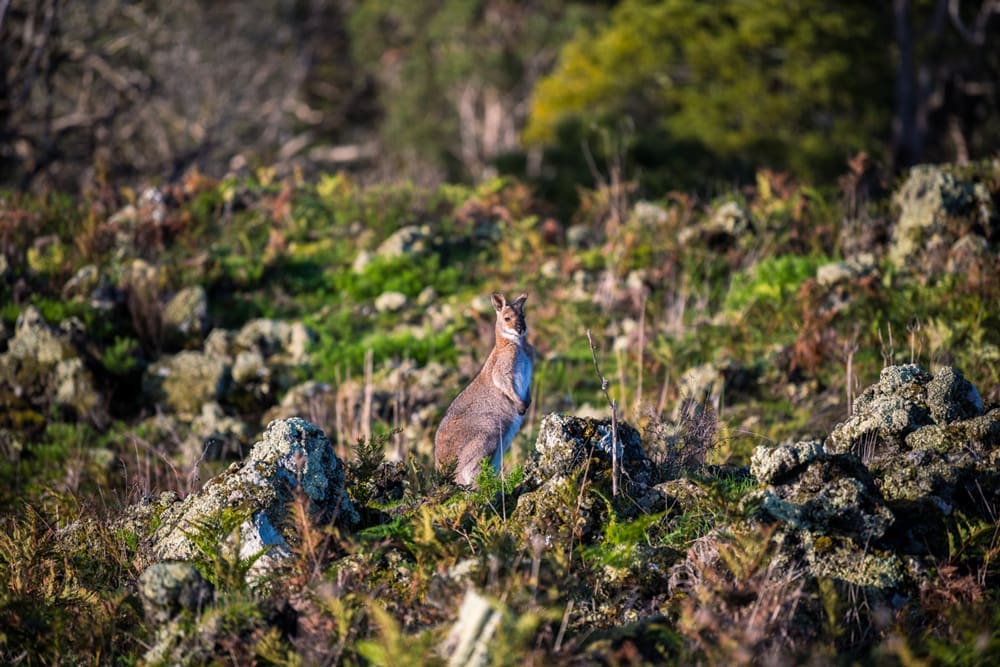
485,416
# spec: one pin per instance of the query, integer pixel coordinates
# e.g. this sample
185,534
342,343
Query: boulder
274,337
292,456
937,206
925,438
184,382
571,451
42,366
185,317
830,515
566,443
167,589
214,436
407,240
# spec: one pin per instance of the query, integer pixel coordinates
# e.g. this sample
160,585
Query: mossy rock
186,381
291,454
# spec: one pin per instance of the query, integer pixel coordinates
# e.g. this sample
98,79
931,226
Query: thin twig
614,418
563,626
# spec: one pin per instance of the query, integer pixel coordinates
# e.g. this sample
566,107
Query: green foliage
790,85
409,275
218,540
445,52
122,357
770,283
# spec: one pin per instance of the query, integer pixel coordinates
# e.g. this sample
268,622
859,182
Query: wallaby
482,420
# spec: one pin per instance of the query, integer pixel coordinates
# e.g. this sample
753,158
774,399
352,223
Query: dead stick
614,418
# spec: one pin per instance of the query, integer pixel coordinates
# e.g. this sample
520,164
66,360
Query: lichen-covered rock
407,240
42,367
167,589
772,465
846,271
565,443
830,514
292,454
82,284
390,302
569,453
214,435
185,317
951,397
310,397
729,223
923,437
249,367
930,202
186,381
274,337
887,411
810,490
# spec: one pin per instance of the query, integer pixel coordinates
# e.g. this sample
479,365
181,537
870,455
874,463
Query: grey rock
185,317
468,641
924,438
42,365
951,397
930,197
214,436
291,454
730,218
272,337
565,443
305,399
770,465
407,240
167,589
249,367
568,450
185,381
390,302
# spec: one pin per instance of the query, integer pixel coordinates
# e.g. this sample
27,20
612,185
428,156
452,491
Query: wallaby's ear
518,303
499,301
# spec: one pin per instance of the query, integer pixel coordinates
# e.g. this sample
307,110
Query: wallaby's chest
521,375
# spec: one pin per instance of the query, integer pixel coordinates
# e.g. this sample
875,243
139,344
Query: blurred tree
946,80
789,84
794,84
454,76
104,89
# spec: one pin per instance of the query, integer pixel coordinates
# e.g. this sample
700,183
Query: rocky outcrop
938,206
184,382
568,452
42,367
185,316
923,436
292,456
831,514
871,504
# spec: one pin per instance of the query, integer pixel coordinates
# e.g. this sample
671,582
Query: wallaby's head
510,316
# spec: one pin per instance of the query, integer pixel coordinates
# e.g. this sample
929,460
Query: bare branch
614,418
